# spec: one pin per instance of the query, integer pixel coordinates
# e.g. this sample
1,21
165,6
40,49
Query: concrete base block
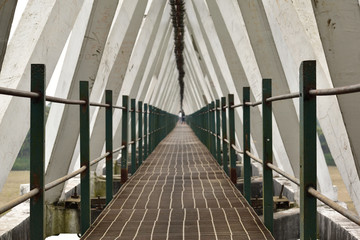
334,226
287,224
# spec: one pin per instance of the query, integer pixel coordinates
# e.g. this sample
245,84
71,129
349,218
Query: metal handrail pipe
343,211
227,141
283,97
64,178
236,149
19,200
335,91
253,157
96,160
132,142
119,107
284,174
237,105
119,149
99,104
64,101
275,168
18,93
253,104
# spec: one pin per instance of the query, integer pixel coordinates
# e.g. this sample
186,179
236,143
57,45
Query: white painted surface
36,40
87,45
338,23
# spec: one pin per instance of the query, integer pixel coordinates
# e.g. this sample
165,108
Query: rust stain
233,176
124,175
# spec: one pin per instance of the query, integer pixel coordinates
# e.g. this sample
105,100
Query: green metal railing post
308,223
151,120
133,136
124,140
109,146
212,129
233,176
208,137
146,134
37,151
140,133
218,147
85,156
204,126
246,142
224,132
267,155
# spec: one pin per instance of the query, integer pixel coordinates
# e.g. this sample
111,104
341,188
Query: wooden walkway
180,192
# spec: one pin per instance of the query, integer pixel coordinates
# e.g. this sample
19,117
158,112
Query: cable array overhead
177,17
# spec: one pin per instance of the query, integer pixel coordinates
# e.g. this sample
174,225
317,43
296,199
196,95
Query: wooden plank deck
180,192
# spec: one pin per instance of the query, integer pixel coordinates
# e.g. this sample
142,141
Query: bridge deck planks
179,192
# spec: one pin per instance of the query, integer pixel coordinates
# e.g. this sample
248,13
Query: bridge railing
153,126
203,123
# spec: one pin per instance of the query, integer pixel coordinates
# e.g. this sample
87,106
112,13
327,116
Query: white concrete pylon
36,40
133,74
197,73
163,86
192,27
156,60
119,45
7,11
160,90
338,23
249,62
283,18
193,84
161,67
67,87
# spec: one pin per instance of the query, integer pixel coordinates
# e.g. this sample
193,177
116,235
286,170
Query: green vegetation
22,161
329,159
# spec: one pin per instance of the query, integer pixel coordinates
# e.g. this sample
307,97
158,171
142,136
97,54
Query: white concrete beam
67,87
36,40
7,11
244,65
338,23
113,65
284,23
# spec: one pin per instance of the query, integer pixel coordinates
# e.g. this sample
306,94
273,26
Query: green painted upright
233,176
109,145
140,132
37,151
212,129
218,141
224,132
151,135
85,156
146,134
133,136
267,155
246,142
308,223
124,140
208,135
